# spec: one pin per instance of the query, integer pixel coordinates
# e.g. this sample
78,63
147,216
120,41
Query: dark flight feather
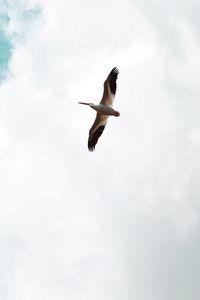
112,77
95,136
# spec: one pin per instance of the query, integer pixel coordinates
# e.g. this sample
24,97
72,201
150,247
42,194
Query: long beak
84,103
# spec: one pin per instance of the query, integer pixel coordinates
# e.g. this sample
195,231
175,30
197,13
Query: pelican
104,109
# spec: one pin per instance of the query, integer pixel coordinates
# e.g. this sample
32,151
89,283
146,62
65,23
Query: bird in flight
104,109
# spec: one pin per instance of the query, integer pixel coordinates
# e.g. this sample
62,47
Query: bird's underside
104,109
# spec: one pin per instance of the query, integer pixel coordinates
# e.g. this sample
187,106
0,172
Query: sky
122,222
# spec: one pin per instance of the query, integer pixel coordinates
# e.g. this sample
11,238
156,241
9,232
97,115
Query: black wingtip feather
93,141
112,80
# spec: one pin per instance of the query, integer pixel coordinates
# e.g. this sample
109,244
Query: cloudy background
122,222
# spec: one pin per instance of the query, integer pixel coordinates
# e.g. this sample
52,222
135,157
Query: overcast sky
122,222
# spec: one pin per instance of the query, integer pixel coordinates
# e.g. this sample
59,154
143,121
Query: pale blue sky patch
5,54
5,45
20,15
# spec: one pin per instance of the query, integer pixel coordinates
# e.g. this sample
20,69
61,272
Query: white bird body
104,109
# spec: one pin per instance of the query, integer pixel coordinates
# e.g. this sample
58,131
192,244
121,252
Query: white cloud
121,222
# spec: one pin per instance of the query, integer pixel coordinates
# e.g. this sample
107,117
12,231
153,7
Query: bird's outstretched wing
110,87
96,130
